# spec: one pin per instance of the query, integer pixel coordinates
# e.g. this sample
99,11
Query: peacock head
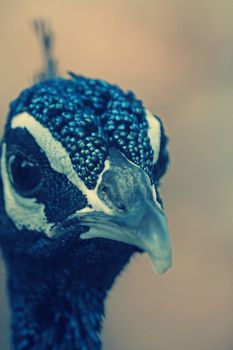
81,163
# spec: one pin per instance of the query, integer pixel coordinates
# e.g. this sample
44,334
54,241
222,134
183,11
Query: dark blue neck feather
58,303
56,313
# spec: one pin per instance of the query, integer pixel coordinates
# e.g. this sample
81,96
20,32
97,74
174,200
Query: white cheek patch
24,212
154,134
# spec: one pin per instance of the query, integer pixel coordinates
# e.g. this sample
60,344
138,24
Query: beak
135,217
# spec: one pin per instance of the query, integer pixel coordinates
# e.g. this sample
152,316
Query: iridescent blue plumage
88,117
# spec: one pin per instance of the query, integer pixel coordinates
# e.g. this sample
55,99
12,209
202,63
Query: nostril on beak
109,194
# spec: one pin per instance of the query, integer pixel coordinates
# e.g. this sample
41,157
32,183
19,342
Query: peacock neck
54,311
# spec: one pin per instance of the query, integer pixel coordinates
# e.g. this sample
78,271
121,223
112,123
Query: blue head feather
88,117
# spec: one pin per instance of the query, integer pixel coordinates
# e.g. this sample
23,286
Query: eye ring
24,173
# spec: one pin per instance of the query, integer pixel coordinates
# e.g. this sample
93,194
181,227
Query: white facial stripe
58,157
154,134
25,212
154,194
94,197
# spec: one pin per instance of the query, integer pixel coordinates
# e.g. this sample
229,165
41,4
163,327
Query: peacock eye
25,174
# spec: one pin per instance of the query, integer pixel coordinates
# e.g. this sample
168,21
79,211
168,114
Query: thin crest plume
45,37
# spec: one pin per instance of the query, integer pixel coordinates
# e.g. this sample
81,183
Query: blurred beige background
178,57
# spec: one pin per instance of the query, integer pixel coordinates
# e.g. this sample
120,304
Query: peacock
81,163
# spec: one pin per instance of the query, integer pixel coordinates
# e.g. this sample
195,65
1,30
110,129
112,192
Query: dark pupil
24,174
